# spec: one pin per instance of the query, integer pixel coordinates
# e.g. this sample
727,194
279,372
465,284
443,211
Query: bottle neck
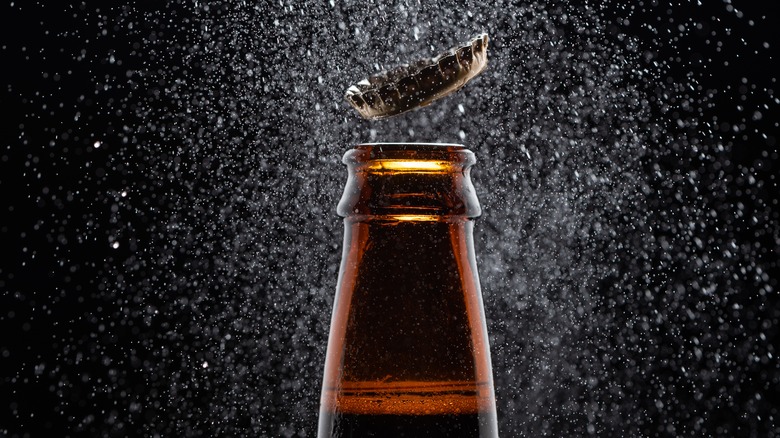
408,338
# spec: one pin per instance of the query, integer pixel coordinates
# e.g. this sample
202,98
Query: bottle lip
410,145
409,157
409,182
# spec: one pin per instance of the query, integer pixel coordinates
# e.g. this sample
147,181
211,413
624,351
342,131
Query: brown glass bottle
408,350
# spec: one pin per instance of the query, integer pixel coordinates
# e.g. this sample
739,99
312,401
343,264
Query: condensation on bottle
408,350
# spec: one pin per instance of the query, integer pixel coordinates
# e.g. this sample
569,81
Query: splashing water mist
174,268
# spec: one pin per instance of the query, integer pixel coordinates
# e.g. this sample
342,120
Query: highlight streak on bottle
416,85
408,166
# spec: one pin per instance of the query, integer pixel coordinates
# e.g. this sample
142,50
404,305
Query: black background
45,151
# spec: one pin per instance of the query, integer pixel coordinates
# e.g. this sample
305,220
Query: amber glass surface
408,352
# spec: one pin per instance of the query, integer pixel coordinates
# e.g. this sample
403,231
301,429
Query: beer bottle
408,351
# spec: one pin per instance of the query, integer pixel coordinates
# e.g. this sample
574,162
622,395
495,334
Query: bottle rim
409,157
416,182
410,145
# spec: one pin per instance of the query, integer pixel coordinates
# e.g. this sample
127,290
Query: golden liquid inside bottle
408,351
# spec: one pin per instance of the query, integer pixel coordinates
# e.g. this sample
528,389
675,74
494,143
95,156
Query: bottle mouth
409,182
409,157
410,145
